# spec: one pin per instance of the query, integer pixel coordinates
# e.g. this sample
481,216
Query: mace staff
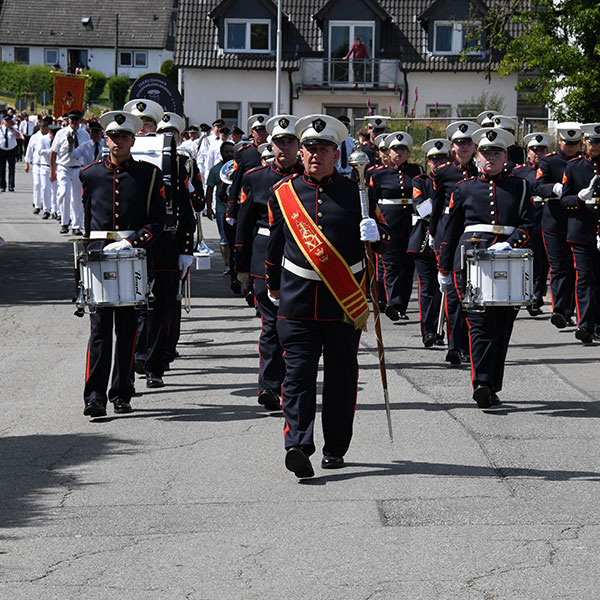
359,160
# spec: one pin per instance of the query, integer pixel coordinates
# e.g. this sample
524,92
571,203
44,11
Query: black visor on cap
315,141
593,139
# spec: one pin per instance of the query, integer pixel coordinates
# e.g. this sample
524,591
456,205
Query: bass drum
160,150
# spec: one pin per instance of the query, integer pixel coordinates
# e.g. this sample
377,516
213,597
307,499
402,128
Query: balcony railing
357,73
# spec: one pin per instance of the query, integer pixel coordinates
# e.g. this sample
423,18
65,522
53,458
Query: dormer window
253,35
452,37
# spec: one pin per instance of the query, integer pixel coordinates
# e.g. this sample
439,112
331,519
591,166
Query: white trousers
69,196
42,196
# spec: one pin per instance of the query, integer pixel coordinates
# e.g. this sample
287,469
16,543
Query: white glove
184,262
444,280
557,189
588,192
230,221
275,301
431,242
499,246
117,246
597,242
369,231
244,279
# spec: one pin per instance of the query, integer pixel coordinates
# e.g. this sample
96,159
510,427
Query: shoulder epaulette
92,164
254,169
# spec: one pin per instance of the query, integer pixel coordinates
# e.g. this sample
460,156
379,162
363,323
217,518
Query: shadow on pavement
34,466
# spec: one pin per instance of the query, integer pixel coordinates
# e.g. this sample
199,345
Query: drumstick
441,315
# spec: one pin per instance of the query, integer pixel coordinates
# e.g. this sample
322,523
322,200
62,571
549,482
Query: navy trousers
303,343
429,293
455,320
540,268
562,273
99,354
399,271
489,335
271,367
586,260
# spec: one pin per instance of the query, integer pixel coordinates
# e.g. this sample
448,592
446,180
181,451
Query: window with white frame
253,35
452,37
229,112
438,110
259,108
140,59
50,56
125,58
130,58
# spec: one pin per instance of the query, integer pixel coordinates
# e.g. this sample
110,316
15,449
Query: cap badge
497,121
283,123
318,125
539,138
260,119
120,119
463,127
438,145
378,121
490,115
400,137
166,118
491,135
141,106
571,133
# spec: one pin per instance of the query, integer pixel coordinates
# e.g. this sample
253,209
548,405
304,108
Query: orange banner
68,93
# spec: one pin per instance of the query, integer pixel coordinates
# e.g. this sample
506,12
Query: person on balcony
360,55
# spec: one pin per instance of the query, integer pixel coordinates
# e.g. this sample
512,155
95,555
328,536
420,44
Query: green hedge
118,86
94,85
22,79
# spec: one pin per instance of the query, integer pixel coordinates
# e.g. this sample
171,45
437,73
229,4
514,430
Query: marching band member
393,189
377,125
40,168
516,154
554,222
65,170
148,111
346,148
420,247
252,236
486,118
506,221
581,198
315,267
537,146
445,179
124,201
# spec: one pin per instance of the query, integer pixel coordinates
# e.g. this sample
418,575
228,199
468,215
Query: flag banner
68,93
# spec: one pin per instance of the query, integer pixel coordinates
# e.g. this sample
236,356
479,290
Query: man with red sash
315,269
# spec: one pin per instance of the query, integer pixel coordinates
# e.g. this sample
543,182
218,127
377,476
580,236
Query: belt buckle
497,229
111,235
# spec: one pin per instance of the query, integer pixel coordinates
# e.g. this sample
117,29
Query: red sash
323,257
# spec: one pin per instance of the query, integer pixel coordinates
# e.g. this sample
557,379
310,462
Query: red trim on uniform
419,297
470,352
133,350
87,360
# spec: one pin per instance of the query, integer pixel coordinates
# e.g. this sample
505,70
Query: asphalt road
188,496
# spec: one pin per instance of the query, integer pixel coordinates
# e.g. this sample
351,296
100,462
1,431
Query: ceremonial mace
359,160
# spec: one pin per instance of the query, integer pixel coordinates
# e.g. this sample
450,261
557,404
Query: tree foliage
22,79
118,86
168,70
94,86
555,45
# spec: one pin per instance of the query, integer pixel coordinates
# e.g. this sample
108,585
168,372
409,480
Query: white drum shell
115,278
502,278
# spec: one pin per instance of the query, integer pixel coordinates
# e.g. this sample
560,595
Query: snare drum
503,278
114,278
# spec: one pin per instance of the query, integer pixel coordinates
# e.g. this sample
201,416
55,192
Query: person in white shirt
9,135
26,128
207,146
92,150
214,152
65,170
44,154
40,168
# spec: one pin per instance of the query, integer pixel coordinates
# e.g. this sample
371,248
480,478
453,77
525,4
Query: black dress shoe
558,320
439,340
270,400
495,400
297,461
534,311
332,462
236,287
11,189
584,335
570,322
453,357
94,409
77,232
465,357
64,229
36,211
404,316
483,396
121,406
154,381
46,216
139,367
429,340
381,306
391,313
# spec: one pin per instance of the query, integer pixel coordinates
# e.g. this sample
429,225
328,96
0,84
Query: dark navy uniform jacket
178,235
499,200
445,178
395,182
334,205
423,189
119,198
370,149
250,245
516,156
529,172
551,169
246,158
582,225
